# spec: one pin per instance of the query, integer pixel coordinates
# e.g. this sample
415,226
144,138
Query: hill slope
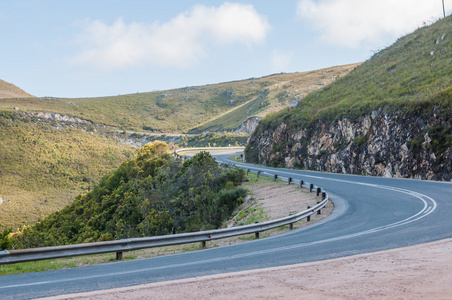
153,194
44,166
9,90
390,116
190,108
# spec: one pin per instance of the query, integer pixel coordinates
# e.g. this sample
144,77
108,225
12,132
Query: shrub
153,194
5,242
360,140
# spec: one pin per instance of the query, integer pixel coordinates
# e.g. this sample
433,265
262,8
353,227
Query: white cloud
281,61
179,42
352,23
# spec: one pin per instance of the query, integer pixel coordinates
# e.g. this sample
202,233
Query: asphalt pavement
371,214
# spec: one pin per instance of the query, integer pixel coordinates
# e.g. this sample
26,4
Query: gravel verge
416,272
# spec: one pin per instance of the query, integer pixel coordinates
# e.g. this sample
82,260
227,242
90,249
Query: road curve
371,214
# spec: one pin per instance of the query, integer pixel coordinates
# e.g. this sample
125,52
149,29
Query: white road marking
430,206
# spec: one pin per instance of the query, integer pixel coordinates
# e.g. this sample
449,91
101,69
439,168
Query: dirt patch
279,199
417,272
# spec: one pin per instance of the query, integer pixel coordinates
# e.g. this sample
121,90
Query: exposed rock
230,93
248,126
263,93
293,104
389,144
58,117
161,100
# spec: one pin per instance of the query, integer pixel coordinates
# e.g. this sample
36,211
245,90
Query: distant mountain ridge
221,107
9,90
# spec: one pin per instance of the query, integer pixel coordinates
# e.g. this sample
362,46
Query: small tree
5,243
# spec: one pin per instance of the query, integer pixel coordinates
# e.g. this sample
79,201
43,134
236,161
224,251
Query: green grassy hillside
414,74
222,106
43,168
47,159
152,194
9,90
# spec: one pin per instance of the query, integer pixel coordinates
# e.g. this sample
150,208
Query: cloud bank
180,42
352,23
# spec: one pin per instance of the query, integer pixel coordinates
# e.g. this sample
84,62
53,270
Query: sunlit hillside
9,90
215,107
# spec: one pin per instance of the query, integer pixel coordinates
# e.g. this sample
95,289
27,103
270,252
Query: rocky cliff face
248,126
390,144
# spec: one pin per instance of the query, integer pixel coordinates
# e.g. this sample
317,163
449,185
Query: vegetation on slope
213,139
414,74
153,194
43,167
182,110
9,90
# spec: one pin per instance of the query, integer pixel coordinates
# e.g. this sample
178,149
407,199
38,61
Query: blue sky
89,48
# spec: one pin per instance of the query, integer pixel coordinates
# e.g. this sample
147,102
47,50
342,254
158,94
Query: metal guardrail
123,245
203,149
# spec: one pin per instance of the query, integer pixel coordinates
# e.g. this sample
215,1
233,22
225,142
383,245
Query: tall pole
444,10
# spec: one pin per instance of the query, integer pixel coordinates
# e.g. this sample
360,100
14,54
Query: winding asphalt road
371,214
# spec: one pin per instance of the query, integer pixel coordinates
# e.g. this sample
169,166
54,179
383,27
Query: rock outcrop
59,117
390,144
248,126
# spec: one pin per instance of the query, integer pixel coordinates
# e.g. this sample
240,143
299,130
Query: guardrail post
323,195
275,177
319,212
291,224
289,180
203,244
256,234
318,191
311,186
247,172
301,183
308,218
119,255
258,173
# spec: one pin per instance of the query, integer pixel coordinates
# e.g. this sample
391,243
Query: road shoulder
417,272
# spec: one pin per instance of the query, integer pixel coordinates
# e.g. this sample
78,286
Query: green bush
153,194
360,140
5,242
